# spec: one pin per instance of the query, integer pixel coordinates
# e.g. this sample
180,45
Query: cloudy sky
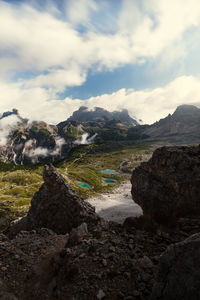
143,55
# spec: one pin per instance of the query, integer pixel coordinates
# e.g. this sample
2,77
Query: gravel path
118,205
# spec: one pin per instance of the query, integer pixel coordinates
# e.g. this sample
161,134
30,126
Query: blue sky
135,54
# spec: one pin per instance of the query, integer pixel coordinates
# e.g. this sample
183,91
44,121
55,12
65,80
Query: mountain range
23,142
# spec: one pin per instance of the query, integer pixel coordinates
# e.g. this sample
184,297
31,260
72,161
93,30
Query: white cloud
51,49
78,11
5,126
45,55
35,152
148,105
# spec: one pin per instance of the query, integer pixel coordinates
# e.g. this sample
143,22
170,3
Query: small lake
107,180
109,171
84,185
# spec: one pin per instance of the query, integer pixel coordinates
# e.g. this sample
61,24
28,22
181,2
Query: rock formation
83,114
167,186
55,206
179,272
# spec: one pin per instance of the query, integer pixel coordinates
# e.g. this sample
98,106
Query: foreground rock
55,206
109,262
167,186
179,271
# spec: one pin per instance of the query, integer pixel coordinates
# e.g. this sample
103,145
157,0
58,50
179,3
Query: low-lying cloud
6,124
149,105
85,140
35,152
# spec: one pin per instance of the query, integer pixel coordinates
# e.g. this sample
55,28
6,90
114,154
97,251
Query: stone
167,186
124,166
104,262
55,206
179,271
77,234
101,295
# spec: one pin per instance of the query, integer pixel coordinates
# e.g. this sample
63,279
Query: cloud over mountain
45,49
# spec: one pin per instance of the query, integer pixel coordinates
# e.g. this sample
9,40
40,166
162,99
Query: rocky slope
183,126
167,186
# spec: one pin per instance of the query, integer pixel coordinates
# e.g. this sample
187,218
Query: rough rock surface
179,271
167,186
119,262
55,206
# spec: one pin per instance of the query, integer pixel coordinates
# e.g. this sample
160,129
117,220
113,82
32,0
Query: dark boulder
179,272
55,206
167,186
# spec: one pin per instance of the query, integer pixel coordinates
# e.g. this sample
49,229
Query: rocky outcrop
179,271
83,114
55,206
167,186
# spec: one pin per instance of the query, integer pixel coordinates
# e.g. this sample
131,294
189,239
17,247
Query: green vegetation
17,186
19,183
34,129
43,130
73,131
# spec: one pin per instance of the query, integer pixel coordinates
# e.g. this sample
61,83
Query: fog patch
84,140
6,126
35,153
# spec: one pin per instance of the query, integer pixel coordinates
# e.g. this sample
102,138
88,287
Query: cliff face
167,186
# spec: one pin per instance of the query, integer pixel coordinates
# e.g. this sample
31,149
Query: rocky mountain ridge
23,142
183,126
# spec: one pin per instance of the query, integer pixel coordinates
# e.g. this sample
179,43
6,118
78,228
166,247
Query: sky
56,55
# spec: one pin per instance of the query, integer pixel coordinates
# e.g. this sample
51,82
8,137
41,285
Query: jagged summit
9,113
186,108
83,114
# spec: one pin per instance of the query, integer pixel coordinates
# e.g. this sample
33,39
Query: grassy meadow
19,183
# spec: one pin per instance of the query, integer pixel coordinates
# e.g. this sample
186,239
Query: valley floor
118,205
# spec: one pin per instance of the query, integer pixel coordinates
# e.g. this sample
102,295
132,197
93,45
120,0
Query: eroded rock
55,206
179,271
167,186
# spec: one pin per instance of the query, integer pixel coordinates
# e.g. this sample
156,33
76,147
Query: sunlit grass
19,183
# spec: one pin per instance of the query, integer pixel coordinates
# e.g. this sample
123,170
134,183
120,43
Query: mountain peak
99,114
186,109
9,113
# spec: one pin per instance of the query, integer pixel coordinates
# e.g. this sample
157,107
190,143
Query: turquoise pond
84,185
109,171
110,180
